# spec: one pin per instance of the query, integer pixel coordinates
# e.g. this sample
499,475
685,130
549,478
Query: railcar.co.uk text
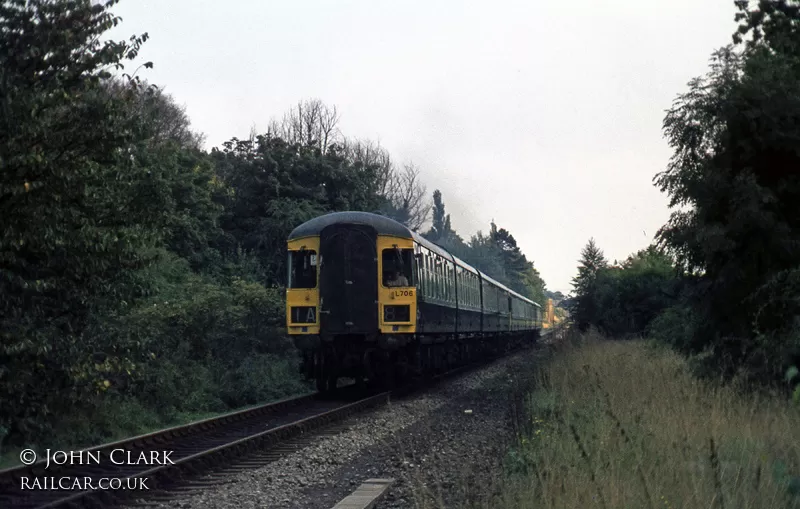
83,483
89,457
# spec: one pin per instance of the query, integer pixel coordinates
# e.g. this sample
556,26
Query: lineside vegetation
724,276
617,424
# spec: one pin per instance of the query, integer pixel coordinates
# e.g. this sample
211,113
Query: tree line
496,253
141,277
724,276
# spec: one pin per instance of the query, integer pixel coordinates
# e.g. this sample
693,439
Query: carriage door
348,279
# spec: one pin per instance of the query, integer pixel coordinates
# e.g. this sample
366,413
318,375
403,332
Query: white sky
544,116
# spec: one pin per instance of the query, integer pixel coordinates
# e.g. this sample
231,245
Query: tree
623,299
630,296
184,182
496,254
158,113
533,286
180,173
484,255
402,191
79,214
275,186
734,170
406,198
592,260
521,276
584,307
773,25
369,154
311,123
440,229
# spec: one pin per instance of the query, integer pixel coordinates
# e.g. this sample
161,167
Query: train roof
388,226
512,292
384,225
522,297
495,282
507,289
436,248
465,265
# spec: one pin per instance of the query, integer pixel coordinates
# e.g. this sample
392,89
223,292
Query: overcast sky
542,115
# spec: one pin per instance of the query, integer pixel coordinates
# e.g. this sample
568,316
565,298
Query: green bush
197,332
197,344
674,326
260,377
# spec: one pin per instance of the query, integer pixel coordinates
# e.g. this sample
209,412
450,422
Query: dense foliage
735,135
734,287
80,214
623,299
141,278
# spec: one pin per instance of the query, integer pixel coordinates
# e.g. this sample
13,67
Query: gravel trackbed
443,447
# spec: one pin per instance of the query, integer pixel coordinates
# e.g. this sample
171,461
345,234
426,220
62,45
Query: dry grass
625,424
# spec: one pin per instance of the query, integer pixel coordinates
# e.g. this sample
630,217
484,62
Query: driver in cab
397,280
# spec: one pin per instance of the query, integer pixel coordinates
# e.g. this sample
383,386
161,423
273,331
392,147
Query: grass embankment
625,424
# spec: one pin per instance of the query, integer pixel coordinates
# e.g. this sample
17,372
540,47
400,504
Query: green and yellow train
367,298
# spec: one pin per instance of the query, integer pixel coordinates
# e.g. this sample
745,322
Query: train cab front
350,288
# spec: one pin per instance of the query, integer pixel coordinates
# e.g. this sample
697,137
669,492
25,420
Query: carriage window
447,282
420,274
437,283
302,269
431,277
450,286
471,289
397,267
428,281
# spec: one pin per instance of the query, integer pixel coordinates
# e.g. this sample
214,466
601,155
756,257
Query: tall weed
626,424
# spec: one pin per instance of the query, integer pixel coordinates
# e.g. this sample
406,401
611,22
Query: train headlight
396,313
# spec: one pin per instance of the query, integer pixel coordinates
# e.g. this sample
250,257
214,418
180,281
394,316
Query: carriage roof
382,224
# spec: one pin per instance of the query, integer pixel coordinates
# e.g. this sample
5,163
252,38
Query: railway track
182,454
217,446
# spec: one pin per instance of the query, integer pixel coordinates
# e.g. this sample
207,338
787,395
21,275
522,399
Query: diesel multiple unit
368,298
